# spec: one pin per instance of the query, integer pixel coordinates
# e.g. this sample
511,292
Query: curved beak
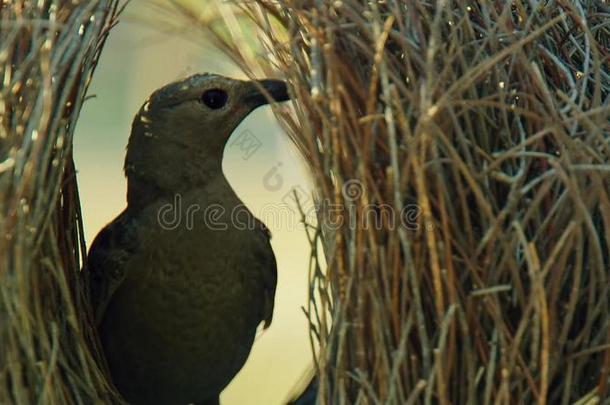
272,91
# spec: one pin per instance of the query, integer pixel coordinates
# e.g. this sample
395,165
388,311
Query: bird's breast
186,315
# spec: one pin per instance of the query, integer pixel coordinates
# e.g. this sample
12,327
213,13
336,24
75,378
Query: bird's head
181,130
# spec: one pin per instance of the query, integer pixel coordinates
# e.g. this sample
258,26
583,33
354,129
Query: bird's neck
166,178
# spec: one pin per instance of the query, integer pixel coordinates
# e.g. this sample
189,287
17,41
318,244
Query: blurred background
259,162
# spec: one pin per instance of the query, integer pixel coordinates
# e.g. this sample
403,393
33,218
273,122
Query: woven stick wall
460,151
48,51
461,156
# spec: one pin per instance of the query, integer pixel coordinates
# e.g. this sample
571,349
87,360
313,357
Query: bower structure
460,151
48,51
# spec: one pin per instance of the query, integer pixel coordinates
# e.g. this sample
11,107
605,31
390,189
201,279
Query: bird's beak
276,91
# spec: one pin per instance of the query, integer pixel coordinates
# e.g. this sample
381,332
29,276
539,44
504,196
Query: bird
178,283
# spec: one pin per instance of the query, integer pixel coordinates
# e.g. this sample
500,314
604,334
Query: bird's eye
214,98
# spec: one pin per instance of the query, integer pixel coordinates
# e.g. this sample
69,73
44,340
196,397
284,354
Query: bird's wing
269,273
106,263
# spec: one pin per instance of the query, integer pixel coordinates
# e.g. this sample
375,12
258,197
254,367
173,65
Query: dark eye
214,98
